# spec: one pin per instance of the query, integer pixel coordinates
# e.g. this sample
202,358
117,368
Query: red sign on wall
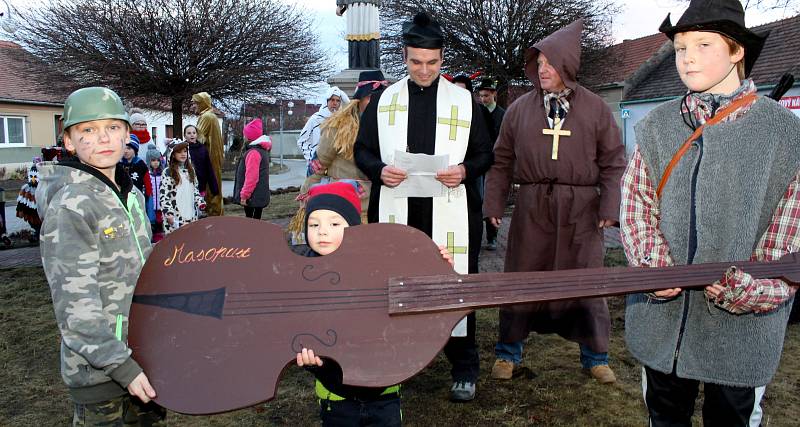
791,102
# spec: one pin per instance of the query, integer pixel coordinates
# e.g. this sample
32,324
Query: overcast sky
637,18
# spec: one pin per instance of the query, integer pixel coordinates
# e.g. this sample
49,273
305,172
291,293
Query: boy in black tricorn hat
493,115
487,94
731,195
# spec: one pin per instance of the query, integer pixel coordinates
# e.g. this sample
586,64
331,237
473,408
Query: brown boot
603,374
502,369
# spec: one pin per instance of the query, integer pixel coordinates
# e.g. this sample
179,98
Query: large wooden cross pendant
393,107
557,134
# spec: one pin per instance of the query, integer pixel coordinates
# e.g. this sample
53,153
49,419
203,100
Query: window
12,131
59,125
169,132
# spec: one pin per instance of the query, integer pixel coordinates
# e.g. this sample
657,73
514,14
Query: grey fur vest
745,167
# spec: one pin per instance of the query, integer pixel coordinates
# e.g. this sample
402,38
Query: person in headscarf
309,136
335,150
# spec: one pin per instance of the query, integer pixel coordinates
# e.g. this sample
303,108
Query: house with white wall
30,117
159,124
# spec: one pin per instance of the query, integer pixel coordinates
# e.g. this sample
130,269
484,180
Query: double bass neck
421,294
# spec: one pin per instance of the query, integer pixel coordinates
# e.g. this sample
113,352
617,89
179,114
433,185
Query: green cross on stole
453,122
451,244
391,108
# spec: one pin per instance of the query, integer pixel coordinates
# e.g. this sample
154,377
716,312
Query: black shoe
462,391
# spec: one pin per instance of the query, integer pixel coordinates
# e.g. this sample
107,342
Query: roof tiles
19,86
630,54
781,54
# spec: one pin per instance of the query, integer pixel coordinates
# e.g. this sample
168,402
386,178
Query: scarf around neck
556,103
702,106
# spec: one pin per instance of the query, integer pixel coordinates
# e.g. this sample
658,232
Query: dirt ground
551,391
554,392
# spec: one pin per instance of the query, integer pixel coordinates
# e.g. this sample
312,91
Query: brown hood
563,50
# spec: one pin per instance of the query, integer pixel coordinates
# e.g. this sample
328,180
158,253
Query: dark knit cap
340,197
133,142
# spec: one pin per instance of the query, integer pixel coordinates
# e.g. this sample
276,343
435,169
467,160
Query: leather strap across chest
724,112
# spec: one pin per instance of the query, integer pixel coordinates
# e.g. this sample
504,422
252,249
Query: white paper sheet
421,170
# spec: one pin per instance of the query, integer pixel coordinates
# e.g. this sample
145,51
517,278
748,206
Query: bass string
255,307
327,297
430,292
311,291
382,307
514,279
632,275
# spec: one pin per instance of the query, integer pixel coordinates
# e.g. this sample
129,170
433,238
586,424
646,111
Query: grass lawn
551,392
280,206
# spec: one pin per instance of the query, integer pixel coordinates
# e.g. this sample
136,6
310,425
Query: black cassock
462,352
422,116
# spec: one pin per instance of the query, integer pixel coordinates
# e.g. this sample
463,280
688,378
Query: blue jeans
513,353
590,359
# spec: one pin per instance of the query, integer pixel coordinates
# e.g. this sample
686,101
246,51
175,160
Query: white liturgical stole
453,121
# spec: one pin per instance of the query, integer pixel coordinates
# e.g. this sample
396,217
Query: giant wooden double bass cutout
222,306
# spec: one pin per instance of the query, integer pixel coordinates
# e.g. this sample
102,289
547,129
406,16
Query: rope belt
551,182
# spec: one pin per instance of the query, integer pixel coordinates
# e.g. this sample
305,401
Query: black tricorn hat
488,84
369,81
423,32
719,16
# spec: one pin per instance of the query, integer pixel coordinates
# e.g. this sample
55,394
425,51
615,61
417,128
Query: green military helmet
93,103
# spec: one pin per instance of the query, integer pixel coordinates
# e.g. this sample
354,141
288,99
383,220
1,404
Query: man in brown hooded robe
569,191
209,133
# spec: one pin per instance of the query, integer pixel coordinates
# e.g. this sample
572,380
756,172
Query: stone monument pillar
363,41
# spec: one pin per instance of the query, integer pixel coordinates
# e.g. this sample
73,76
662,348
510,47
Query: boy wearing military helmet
95,239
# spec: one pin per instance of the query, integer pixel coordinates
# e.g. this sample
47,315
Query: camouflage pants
118,412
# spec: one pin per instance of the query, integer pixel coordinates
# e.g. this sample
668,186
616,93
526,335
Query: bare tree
766,4
492,35
769,4
167,50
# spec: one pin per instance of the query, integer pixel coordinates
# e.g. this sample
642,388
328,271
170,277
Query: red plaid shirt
646,246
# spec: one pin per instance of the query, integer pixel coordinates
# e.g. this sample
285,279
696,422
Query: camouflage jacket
93,248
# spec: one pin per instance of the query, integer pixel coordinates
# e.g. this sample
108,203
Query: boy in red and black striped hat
330,208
